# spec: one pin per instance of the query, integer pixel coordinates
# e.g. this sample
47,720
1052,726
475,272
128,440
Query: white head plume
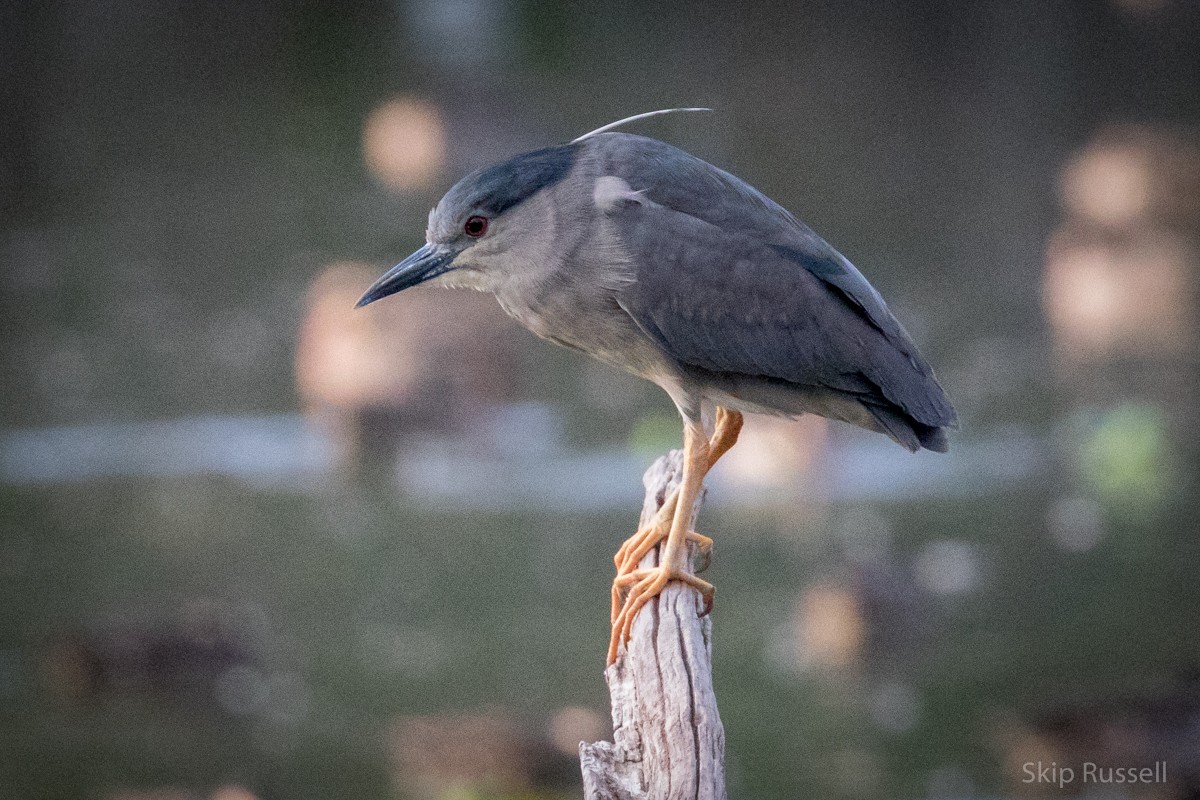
634,118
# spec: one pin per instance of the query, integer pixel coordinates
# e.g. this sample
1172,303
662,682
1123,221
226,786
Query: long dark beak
426,263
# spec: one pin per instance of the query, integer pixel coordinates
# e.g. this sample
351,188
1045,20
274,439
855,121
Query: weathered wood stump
668,742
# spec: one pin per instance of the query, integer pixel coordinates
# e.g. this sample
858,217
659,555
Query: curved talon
647,584
638,597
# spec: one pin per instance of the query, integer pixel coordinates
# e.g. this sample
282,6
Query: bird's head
484,227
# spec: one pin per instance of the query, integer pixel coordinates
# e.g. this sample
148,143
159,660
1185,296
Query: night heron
648,258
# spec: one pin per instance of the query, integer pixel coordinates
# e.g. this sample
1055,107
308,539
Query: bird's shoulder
677,180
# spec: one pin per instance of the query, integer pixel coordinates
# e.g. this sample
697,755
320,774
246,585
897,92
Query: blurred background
256,545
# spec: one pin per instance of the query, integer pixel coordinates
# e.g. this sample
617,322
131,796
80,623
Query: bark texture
668,742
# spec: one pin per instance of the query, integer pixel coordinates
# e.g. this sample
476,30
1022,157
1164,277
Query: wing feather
730,282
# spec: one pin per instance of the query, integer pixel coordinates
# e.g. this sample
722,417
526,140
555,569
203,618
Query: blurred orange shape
404,143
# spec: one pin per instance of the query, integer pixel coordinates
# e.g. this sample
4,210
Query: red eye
475,227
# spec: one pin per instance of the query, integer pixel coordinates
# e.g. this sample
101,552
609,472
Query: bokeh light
1124,459
404,144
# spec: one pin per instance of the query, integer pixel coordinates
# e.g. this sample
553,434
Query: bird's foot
700,454
644,584
703,549
645,540
635,548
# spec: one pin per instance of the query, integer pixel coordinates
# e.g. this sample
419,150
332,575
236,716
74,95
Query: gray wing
728,281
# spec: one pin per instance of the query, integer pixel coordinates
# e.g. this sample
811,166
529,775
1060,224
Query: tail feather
907,432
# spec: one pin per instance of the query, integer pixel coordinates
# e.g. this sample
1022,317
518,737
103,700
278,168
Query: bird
644,256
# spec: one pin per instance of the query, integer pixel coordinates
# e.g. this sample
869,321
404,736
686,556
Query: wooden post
668,742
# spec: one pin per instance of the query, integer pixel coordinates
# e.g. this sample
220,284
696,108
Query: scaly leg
728,426
671,567
657,530
635,547
704,548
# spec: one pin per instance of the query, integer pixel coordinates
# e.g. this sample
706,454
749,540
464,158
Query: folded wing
729,282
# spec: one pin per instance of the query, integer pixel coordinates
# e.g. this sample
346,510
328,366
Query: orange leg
647,583
656,531
728,426
651,538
